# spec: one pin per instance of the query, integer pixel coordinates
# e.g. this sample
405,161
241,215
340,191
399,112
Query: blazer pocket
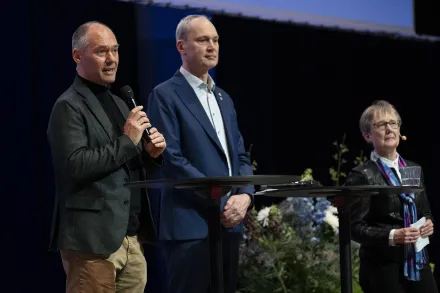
85,203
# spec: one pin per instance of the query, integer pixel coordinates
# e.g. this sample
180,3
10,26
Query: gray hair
368,115
79,38
183,26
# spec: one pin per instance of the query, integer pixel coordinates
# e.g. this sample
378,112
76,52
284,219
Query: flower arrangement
293,246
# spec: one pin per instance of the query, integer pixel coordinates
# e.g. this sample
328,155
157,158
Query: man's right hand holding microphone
135,126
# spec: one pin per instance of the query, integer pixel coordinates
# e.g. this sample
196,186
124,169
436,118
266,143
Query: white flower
263,216
331,218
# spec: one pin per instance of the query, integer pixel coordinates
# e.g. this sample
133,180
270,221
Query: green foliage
254,163
361,159
337,173
277,258
283,262
341,149
288,248
307,175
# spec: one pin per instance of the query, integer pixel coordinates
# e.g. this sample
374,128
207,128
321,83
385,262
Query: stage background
297,88
391,15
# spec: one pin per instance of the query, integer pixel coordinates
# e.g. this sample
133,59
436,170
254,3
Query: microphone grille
126,93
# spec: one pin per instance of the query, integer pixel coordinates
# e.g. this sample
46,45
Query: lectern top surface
231,181
324,191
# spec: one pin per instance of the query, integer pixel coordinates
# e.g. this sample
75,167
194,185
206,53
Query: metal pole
345,250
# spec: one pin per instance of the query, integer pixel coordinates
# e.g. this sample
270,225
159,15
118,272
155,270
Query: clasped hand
235,210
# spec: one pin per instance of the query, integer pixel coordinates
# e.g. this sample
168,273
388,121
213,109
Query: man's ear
76,55
180,47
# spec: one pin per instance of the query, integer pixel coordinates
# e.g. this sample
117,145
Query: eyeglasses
382,125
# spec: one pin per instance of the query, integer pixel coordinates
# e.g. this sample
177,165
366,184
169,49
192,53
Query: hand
427,229
157,143
406,235
235,210
137,122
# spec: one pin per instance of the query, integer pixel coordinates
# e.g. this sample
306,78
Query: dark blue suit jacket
193,150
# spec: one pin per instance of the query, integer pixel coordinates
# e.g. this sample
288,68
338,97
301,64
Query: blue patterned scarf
414,261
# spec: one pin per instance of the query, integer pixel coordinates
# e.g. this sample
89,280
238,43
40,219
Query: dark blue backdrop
255,66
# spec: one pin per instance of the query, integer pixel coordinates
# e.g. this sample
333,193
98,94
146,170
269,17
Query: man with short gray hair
203,140
96,146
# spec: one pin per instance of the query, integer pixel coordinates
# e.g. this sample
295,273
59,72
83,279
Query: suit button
126,202
125,179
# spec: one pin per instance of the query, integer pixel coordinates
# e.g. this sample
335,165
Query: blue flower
314,239
321,206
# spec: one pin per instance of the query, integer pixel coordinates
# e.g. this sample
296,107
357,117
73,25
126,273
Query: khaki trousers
124,271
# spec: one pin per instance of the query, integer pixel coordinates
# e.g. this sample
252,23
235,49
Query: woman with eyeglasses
382,224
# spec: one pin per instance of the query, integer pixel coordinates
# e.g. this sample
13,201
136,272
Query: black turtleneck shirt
118,121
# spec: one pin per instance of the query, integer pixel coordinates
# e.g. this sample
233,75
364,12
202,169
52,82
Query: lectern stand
212,189
342,198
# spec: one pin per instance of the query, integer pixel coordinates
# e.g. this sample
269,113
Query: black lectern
342,198
212,189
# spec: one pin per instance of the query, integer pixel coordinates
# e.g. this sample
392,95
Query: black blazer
372,219
91,166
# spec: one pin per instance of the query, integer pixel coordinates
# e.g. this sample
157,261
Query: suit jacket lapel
95,107
190,99
224,109
121,106
374,175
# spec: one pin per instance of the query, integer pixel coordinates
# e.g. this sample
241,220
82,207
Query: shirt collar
196,82
390,163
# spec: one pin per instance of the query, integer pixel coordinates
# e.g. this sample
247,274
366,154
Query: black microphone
128,96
